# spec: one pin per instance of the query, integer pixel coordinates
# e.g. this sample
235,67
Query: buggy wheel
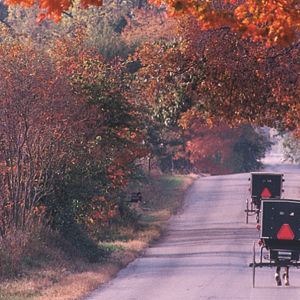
253,267
247,211
257,215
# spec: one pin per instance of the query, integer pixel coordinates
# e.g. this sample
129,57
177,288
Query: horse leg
285,276
277,276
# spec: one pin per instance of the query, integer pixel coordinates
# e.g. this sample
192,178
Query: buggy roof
266,173
282,200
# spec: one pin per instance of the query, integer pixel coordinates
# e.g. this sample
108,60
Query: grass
66,279
166,192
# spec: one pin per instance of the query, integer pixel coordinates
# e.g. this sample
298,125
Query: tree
36,113
233,89
221,149
243,82
167,78
187,80
110,135
149,25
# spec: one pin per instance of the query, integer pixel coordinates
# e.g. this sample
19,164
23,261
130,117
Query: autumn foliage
35,132
222,149
69,139
270,21
109,127
185,104
53,9
236,81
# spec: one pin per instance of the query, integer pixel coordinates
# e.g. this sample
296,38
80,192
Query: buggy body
280,229
279,235
263,185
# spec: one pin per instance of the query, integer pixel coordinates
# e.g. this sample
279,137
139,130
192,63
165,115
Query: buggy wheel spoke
253,266
247,211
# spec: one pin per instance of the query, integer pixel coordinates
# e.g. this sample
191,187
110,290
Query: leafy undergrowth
48,273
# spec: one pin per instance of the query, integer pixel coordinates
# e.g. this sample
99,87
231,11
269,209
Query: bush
76,243
43,247
21,250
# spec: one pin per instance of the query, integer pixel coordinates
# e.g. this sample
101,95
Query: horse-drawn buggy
279,237
263,185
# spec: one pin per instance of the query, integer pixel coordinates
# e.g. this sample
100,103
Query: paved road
206,250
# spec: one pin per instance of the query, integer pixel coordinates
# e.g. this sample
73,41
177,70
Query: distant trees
291,147
222,149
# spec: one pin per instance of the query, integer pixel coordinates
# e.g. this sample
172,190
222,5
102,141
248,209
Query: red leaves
102,211
41,17
210,148
86,3
35,131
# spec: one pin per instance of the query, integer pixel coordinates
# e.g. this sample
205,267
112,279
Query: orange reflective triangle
266,193
285,233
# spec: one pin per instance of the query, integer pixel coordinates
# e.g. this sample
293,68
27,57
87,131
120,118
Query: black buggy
279,235
263,185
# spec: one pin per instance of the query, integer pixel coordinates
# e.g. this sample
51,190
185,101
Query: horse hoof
286,280
278,280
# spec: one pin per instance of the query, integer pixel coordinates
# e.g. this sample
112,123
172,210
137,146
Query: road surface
206,250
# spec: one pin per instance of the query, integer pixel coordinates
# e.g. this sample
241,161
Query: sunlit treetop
271,21
53,9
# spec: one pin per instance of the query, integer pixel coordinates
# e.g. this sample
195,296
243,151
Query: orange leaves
271,21
53,9
25,3
274,22
189,117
